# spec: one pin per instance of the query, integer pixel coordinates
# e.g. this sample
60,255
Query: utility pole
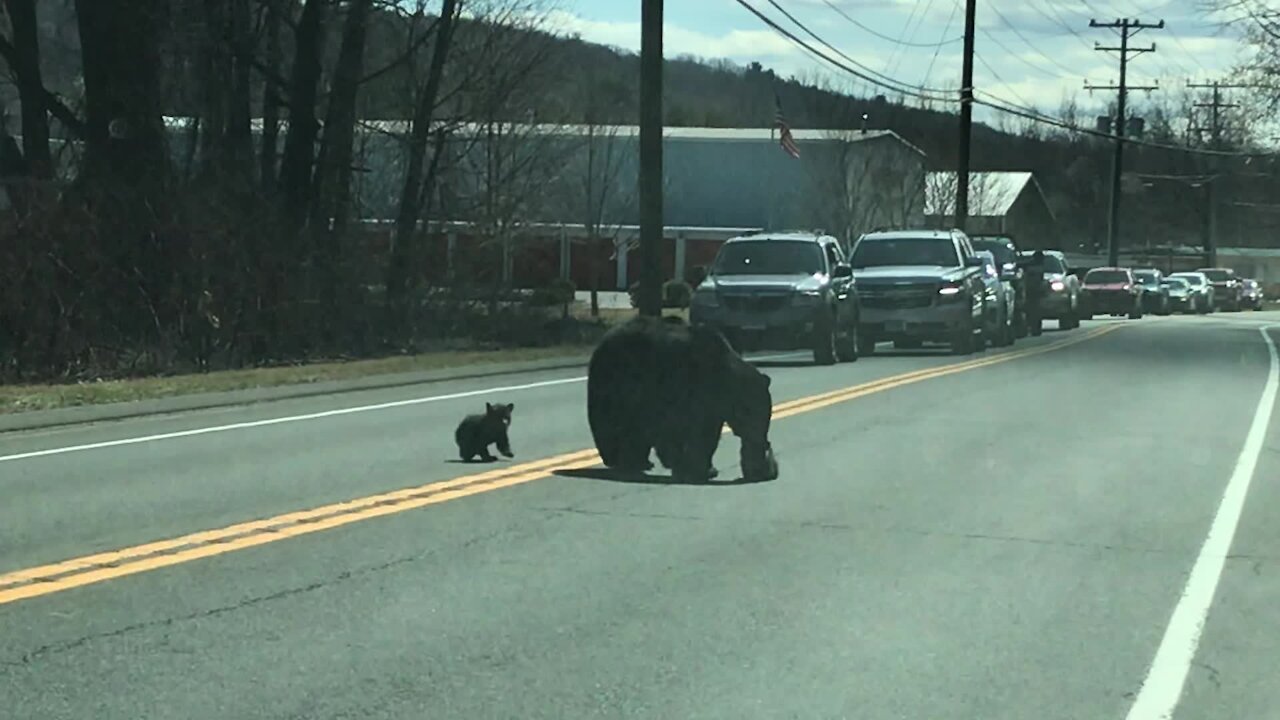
1215,106
651,220
1128,28
966,117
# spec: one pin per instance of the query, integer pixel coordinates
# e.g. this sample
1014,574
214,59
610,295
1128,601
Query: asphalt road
1009,539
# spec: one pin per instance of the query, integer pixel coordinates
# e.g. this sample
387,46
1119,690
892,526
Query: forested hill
569,80
588,78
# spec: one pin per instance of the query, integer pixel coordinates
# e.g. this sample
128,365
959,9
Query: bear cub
477,432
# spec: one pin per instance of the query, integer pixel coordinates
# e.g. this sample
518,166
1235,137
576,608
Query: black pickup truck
1005,251
918,286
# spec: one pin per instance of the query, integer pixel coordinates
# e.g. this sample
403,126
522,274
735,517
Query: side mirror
842,271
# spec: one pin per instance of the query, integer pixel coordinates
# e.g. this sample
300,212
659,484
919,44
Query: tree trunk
333,176
31,92
270,102
215,69
300,143
412,197
239,112
125,148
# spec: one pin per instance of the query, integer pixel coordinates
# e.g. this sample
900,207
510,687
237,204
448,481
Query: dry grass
21,398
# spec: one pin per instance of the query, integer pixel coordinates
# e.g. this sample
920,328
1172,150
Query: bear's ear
488,408
511,407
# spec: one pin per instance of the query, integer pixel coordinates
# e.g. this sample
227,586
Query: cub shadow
645,478
477,461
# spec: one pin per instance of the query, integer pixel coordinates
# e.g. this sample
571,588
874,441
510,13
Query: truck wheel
824,348
963,342
847,349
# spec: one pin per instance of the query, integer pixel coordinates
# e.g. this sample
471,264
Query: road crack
57,648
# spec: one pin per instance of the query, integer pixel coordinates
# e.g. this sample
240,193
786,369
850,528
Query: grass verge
26,398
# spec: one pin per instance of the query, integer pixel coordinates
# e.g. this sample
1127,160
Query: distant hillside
580,81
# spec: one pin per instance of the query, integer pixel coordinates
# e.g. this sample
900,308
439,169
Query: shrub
676,294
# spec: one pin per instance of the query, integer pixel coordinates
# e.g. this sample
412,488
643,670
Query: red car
1112,291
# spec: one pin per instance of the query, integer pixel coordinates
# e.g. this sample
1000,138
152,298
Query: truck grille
755,303
897,297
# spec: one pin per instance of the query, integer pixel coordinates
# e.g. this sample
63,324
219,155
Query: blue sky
1030,52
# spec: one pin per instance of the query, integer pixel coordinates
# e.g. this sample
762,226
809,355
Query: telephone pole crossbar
1128,28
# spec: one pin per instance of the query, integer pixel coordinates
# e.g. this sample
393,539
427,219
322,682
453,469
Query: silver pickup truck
918,286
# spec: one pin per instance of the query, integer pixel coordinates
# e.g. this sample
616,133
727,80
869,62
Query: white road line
309,416
1163,687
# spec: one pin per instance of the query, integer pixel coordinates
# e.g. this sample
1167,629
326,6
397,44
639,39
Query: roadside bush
676,294
559,292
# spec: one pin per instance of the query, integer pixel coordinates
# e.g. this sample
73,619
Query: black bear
477,432
659,384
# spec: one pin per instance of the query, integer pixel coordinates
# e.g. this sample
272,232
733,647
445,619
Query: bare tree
940,196
860,183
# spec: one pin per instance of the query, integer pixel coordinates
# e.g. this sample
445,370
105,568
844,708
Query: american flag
784,130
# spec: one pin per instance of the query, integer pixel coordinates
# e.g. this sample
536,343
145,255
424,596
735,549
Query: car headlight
1057,286
950,292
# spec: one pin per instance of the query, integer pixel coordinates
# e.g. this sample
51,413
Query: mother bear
660,384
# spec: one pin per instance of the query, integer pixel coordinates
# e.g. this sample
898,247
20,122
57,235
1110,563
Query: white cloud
739,45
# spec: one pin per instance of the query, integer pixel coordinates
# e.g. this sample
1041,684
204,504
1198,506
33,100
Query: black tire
963,342
847,349
824,347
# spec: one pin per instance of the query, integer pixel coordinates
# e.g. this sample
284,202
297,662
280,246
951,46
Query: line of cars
1136,291
805,290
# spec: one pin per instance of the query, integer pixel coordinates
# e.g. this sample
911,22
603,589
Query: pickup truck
918,286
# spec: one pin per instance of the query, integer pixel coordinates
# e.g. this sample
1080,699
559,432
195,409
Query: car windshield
782,257
1106,277
879,252
1052,264
1217,275
1178,283
1001,249
1148,278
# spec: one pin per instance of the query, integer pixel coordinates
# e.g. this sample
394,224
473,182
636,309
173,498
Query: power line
1007,107
837,51
928,73
882,36
904,89
1028,43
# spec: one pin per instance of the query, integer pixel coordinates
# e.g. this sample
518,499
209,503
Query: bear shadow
477,461
645,478
781,363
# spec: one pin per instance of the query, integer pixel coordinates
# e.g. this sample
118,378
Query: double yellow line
90,569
